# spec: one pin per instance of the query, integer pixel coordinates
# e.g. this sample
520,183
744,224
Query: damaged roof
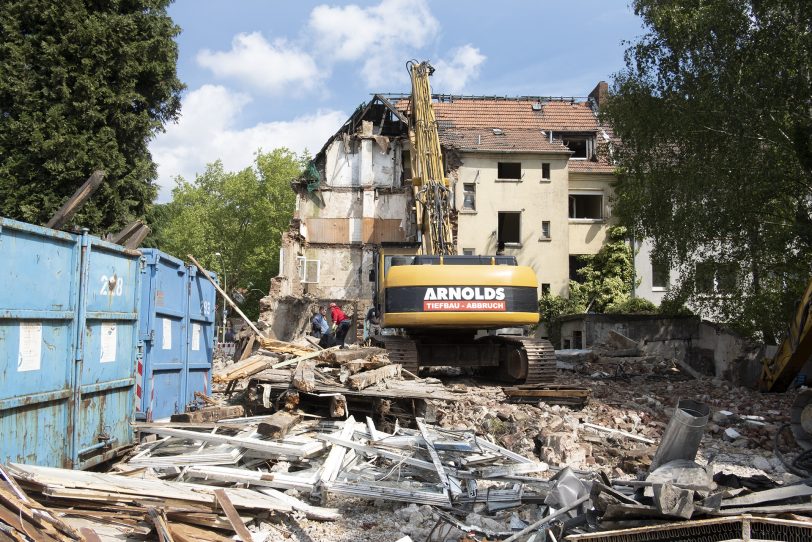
526,124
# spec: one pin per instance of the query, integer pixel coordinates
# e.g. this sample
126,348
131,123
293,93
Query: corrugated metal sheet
68,344
177,328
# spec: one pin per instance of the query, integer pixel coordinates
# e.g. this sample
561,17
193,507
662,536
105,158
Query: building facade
530,177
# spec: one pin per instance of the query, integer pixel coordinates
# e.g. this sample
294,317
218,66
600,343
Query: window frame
548,236
303,266
573,193
465,192
546,167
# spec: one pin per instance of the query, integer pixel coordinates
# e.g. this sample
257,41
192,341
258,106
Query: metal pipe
684,433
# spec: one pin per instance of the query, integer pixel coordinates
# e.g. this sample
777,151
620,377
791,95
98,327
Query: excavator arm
430,186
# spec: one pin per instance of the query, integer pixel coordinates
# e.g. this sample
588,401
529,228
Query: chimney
600,94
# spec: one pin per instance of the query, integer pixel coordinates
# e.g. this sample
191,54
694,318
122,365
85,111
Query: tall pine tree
85,85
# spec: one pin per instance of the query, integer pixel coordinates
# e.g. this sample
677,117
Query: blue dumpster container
68,346
177,330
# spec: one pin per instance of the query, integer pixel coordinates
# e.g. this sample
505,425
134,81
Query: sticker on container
195,337
109,340
30,355
167,334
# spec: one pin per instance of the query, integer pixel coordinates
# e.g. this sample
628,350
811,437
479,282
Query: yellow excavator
441,309
779,371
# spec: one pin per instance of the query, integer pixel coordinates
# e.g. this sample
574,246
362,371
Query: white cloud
207,132
383,36
272,67
452,75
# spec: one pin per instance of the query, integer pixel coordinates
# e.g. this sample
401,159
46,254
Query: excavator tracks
538,355
404,351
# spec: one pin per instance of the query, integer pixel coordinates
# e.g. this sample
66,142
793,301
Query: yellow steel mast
430,186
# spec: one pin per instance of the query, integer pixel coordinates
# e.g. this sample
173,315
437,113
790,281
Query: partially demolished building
530,176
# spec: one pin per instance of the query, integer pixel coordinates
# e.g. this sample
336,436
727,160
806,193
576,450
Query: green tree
606,286
714,112
84,86
241,215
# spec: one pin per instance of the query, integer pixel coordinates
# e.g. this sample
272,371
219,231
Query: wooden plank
364,380
249,348
275,345
309,355
158,519
76,201
232,515
350,354
244,369
225,296
189,533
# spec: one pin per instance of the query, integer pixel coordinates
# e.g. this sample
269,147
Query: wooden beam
76,201
277,425
232,515
363,380
304,378
310,355
226,297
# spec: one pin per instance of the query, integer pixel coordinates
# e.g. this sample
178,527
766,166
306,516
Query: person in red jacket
342,323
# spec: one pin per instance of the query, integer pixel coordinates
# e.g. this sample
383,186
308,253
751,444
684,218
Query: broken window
545,229
509,228
660,271
586,206
509,170
545,288
545,171
469,196
309,270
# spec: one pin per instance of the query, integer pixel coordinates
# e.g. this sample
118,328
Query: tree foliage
84,86
714,112
606,286
241,215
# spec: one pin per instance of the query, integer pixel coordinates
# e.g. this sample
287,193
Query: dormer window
582,146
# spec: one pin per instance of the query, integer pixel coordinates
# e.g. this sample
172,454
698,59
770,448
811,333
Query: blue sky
267,74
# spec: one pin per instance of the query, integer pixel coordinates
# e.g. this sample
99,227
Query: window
545,171
469,196
467,252
508,230
586,206
576,264
545,230
545,288
509,170
660,271
309,270
581,146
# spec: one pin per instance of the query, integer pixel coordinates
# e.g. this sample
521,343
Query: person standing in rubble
321,329
341,323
